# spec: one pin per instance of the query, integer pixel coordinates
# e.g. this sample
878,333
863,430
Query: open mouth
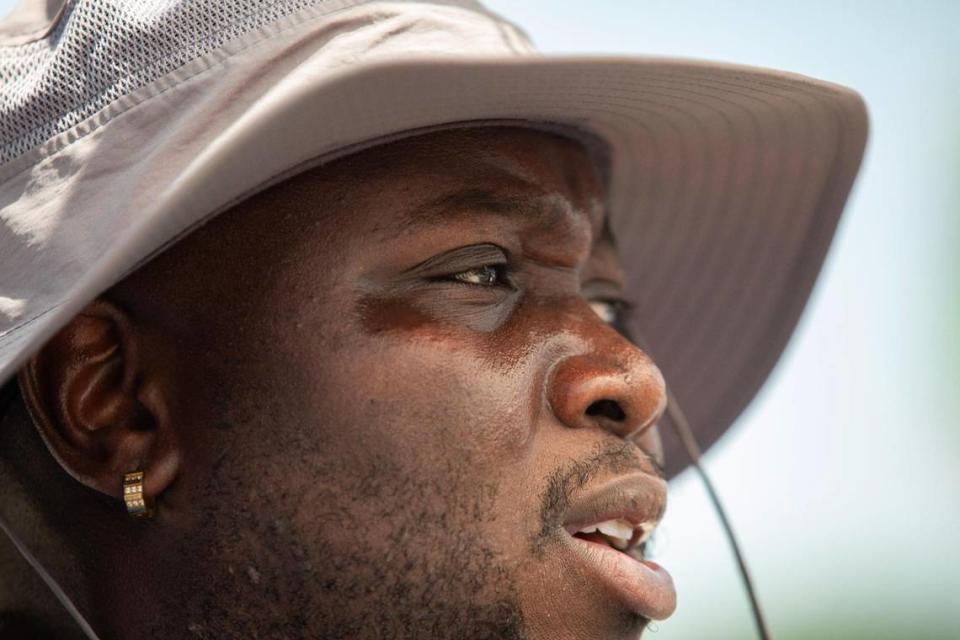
620,535
607,532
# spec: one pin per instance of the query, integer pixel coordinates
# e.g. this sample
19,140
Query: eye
605,309
611,310
488,275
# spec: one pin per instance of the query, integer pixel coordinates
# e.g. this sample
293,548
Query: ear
99,409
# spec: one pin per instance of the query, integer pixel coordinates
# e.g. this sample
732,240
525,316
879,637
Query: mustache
563,483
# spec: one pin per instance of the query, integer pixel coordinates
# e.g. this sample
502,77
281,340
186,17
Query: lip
637,498
641,585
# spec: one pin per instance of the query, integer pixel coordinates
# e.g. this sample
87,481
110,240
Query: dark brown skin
352,421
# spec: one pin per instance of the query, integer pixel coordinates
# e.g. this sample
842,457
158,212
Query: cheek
427,411
418,395
400,380
412,423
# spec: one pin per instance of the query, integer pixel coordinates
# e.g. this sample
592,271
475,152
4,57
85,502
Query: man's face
396,400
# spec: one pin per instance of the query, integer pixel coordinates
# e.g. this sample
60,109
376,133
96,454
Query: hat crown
62,62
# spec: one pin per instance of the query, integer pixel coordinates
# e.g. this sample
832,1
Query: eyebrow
537,207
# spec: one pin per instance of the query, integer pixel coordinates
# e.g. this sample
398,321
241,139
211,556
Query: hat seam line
214,58
211,60
18,327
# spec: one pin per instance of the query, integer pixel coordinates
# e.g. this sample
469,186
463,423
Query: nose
616,387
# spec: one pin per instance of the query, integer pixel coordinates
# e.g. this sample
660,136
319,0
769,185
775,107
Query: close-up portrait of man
344,319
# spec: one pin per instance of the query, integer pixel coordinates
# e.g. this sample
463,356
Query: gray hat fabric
124,124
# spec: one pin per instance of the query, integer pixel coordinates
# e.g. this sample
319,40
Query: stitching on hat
43,97
148,92
18,136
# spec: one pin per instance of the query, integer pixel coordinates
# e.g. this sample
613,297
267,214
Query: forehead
525,154
344,217
496,169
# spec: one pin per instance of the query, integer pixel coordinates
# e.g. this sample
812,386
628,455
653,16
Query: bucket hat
125,124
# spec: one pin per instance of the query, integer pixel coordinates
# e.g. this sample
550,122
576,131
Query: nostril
608,409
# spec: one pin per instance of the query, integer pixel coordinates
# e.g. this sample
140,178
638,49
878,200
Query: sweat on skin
368,399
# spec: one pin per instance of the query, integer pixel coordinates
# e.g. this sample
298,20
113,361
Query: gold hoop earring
138,504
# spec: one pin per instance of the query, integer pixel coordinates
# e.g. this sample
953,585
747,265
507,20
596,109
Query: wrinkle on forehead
484,169
548,210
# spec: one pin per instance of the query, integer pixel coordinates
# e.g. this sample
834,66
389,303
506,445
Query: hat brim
726,184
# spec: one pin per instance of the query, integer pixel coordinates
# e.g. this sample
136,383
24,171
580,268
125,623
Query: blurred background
843,476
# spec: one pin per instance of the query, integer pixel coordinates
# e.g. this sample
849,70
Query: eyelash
501,273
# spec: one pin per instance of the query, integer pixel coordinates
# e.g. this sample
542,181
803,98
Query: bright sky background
843,477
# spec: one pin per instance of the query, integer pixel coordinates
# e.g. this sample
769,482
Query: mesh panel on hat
101,50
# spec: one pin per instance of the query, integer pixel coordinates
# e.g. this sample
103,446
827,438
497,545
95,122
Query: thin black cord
682,428
49,580
680,425
7,394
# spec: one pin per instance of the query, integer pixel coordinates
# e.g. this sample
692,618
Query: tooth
589,529
646,529
616,529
